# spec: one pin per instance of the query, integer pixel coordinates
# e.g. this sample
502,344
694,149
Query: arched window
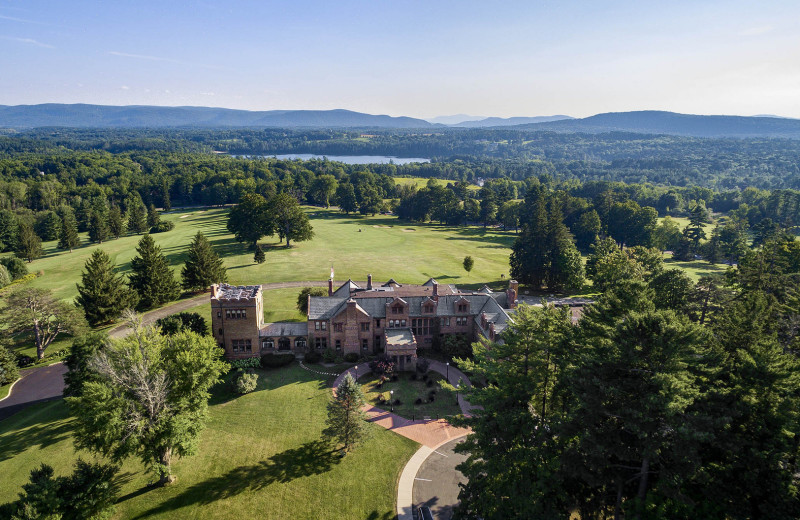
284,344
268,344
300,343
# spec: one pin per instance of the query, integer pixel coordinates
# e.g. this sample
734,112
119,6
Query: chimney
511,293
435,291
491,331
214,288
483,320
330,287
369,282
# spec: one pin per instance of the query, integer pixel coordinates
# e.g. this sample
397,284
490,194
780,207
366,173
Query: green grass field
260,457
421,182
354,245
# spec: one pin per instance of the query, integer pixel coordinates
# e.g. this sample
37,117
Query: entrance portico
401,347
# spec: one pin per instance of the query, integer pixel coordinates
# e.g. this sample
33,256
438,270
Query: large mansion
392,318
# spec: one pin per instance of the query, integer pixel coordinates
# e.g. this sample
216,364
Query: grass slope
260,457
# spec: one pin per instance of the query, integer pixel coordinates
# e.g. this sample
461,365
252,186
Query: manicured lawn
696,268
354,245
421,182
260,457
408,390
4,390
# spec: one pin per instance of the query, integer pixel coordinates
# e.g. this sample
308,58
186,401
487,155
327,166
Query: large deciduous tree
149,397
102,294
345,422
251,219
203,266
35,311
151,277
290,220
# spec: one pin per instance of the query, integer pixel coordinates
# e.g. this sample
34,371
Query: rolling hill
104,116
671,123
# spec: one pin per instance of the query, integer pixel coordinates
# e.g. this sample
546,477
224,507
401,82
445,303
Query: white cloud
125,87
207,93
29,41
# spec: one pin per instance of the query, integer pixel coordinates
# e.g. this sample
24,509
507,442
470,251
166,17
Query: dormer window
462,307
427,308
397,309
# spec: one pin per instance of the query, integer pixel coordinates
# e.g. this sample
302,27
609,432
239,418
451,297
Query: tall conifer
152,277
102,294
137,221
203,267
116,224
98,228
69,231
29,245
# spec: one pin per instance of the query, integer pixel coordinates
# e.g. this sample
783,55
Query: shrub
312,357
423,365
381,365
8,366
16,267
246,383
24,361
395,377
163,226
429,383
275,360
192,321
397,402
413,376
251,362
329,355
418,401
351,357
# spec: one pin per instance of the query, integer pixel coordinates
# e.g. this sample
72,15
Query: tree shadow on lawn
22,436
312,458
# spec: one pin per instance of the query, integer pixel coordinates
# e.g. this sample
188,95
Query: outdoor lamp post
356,367
391,400
458,385
448,372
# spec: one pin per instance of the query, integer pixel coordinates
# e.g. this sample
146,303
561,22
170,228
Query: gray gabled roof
430,282
324,307
346,288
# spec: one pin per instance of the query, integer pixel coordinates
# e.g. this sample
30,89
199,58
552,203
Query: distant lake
351,159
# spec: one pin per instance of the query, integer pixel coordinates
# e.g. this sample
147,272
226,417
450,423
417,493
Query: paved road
436,482
37,385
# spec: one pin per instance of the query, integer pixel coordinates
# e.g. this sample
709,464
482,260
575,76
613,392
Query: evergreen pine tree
529,259
153,217
259,257
165,202
9,230
152,277
50,227
203,267
345,423
29,245
102,294
69,231
137,221
565,267
98,228
116,224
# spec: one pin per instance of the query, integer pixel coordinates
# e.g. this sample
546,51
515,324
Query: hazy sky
410,58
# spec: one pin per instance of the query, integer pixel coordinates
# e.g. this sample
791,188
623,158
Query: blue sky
411,58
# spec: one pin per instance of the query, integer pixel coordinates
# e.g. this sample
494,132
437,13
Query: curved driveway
36,385
436,482
46,383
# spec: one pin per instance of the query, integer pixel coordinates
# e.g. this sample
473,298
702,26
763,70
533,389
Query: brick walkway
428,433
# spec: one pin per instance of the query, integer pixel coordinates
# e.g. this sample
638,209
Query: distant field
421,182
682,222
258,458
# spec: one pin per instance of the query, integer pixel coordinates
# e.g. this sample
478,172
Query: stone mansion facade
388,318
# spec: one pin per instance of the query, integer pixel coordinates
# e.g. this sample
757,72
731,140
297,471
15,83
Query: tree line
666,400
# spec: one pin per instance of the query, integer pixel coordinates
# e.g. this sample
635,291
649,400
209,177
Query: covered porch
401,347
